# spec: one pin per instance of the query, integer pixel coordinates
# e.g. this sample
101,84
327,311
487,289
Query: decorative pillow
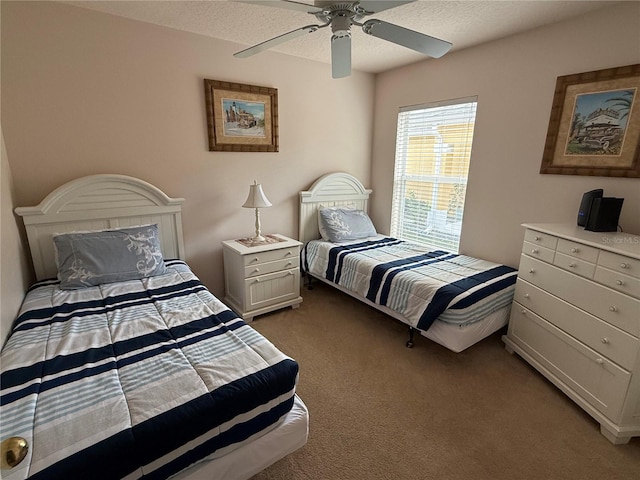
321,223
343,224
93,258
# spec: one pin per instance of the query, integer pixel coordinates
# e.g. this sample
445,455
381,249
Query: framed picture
241,118
594,127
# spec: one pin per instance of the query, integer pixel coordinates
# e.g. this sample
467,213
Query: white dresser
576,319
260,279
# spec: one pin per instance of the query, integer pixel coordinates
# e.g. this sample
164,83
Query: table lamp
257,200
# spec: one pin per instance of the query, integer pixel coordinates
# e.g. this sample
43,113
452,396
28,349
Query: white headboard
99,202
330,190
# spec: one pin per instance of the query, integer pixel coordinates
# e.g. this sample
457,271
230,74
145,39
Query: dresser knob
523,312
288,264
619,282
289,253
535,250
574,250
572,265
526,295
536,238
599,361
531,270
255,259
605,340
256,270
612,308
624,265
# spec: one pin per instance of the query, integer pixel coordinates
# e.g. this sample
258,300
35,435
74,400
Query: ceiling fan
340,15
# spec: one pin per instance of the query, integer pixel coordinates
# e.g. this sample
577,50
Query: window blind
433,150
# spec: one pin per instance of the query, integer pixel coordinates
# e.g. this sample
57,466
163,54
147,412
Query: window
433,149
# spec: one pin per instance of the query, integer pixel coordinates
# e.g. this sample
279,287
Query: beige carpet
379,410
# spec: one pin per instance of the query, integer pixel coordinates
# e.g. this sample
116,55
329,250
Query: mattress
418,284
136,379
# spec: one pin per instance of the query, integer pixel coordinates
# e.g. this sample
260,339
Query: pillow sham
321,224
344,224
86,259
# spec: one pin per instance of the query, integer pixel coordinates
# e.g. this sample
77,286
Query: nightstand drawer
272,288
269,267
271,256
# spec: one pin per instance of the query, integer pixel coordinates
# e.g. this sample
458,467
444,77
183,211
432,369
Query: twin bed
121,364
127,366
451,299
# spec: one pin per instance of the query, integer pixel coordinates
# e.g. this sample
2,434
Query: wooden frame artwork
594,127
241,118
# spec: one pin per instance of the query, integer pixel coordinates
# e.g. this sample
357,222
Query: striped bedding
419,284
136,379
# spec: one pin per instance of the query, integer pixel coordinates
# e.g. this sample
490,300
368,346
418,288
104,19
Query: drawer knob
288,253
536,238
605,340
523,311
624,265
531,270
526,295
255,259
575,250
619,282
599,361
288,264
256,270
613,308
535,250
572,265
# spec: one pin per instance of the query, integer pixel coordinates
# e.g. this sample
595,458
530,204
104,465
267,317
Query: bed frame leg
409,343
309,281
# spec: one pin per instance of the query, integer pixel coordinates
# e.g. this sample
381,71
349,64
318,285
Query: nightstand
261,278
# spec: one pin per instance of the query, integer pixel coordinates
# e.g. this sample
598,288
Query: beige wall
514,80
15,274
85,92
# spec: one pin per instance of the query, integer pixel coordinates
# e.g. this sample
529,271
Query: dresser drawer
596,379
269,267
602,337
542,239
614,307
537,251
620,263
574,265
577,250
271,256
272,288
618,281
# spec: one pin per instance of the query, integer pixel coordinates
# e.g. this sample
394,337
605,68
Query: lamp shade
256,198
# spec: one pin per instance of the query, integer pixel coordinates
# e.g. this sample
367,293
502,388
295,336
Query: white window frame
421,122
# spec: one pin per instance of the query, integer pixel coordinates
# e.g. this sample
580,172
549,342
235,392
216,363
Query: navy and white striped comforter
419,284
136,379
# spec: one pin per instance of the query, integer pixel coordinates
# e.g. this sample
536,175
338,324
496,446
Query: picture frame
241,118
594,127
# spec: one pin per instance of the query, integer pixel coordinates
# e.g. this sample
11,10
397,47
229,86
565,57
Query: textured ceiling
464,23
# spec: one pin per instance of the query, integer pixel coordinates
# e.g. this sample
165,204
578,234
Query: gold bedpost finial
14,449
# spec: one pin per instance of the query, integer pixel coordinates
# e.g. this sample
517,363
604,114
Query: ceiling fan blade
374,6
247,52
434,47
288,4
340,56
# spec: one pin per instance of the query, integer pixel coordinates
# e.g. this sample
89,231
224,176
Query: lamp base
258,239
